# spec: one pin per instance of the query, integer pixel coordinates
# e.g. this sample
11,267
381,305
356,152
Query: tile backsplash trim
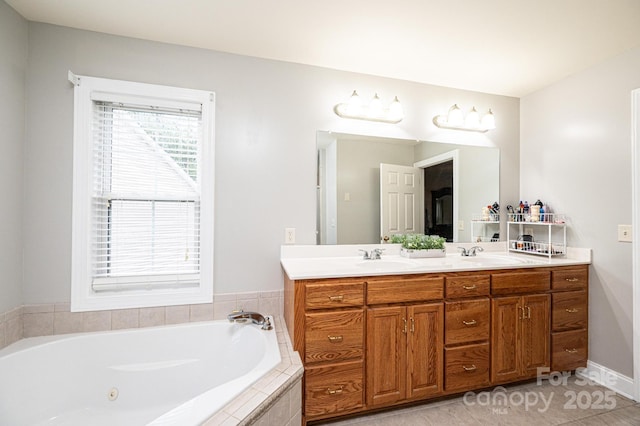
51,319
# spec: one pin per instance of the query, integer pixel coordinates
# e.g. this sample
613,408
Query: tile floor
577,403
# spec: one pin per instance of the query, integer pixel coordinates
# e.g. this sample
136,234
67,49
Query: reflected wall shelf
484,230
553,243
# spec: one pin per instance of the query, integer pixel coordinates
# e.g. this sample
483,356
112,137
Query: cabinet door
425,356
536,351
506,316
386,355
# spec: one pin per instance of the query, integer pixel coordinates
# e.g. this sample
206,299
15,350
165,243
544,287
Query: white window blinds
145,206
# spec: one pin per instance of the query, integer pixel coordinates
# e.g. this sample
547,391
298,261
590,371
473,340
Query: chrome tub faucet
254,317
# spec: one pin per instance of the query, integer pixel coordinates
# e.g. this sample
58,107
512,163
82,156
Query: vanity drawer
333,389
466,321
334,336
466,367
520,282
569,310
403,289
568,350
334,295
574,278
467,286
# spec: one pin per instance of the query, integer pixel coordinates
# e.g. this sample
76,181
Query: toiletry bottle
542,210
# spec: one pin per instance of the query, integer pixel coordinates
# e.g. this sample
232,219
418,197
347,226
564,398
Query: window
142,195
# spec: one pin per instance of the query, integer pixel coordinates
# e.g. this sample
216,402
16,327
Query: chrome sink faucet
471,251
254,317
374,255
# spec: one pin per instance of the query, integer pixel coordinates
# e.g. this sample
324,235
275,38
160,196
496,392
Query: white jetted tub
171,375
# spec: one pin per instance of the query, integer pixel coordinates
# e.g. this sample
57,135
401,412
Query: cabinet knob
469,287
337,391
572,310
472,367
469,323
572,280
335,339
338,298
571,351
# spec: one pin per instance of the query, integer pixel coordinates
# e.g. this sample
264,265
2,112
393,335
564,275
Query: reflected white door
401,200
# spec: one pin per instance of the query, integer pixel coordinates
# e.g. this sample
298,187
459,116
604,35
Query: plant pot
417,253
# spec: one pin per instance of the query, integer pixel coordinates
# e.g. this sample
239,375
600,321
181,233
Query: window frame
86,91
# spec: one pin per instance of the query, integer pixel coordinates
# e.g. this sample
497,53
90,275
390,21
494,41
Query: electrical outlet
289,235
461,225
624,233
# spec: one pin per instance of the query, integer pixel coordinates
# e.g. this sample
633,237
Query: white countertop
309,262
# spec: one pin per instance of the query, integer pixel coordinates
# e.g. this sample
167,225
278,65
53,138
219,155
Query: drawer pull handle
471,368
571,351
572,280
528,312
522,311
472,322
572,310
413,325
334,391
404,326
339,298
469,287
335,339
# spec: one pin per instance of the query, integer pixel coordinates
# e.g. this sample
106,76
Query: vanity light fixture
456,120
374,111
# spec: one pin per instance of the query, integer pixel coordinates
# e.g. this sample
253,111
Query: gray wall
267,115
359,175
13,65
576,155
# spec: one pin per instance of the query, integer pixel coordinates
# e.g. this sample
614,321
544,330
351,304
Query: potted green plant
417,245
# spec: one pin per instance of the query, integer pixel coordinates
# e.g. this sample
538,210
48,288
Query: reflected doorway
438,200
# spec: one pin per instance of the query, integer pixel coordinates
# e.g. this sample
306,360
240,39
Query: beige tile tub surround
56,318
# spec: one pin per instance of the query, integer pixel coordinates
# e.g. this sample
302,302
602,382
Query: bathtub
170,375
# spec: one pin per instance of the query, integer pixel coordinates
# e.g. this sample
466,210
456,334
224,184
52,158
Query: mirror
458,181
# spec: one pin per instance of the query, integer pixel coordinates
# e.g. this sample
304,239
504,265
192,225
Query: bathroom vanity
375,335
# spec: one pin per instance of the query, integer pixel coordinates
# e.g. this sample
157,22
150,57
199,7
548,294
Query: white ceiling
507,47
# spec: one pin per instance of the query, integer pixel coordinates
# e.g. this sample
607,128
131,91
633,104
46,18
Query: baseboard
608,378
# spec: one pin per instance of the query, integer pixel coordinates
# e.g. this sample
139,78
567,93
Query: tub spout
254,317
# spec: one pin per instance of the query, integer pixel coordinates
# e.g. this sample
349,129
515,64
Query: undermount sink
490,259
381,264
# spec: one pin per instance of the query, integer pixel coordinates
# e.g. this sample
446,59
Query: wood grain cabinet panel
404,290
458,286
334,336
466,321
333,389
467,367
571,278
569,310
520,334
569,350
520,282
334,295
404,353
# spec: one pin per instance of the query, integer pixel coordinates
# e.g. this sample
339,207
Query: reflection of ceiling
509,47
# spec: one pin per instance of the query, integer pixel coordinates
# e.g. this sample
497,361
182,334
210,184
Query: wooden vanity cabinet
405,335
467,331
520,327
326,322
569,318
374,342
